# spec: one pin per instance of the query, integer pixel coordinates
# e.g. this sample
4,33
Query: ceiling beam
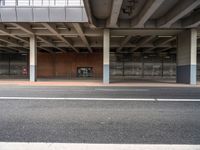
191,21
147,11
124,42
149,49
6,50
48,41
19,49
181,9
164,41
11,41
114,15
165,49
89,13
8,32
52,28
66,33
82,36
24,27
143,41
47,50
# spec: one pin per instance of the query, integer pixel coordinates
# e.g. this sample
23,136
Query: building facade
78,39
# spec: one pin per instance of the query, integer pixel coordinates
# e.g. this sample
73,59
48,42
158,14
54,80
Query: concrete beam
147,11
52,28
116,7
181,9
149,49
8,32
143,42
191,21
124,42
11,41
24,27
142,32
48,41
79,30
164,41
47,50
165,49
66,33
88,10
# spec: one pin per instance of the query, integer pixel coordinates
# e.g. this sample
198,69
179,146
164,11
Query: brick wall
65,65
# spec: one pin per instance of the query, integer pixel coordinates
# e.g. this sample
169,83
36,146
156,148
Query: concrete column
187,57
33,59
106,56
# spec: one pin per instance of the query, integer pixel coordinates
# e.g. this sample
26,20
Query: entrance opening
84,72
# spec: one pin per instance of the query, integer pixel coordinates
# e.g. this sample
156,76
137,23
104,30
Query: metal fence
41,2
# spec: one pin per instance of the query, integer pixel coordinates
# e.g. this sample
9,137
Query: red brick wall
65,65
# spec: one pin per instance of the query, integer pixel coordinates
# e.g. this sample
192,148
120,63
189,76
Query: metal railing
41,2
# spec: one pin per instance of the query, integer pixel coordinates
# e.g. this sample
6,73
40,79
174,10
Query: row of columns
186,57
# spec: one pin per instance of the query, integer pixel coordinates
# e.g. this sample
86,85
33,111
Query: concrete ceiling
80,37
143,13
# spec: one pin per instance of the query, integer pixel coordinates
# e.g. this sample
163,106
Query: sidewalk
95,83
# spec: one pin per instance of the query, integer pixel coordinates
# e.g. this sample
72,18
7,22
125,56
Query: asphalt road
101,92
130,122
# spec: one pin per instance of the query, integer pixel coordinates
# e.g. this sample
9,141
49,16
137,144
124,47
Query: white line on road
99,99
71,146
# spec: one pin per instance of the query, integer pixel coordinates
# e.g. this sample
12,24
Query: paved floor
78,121
100,92
94,83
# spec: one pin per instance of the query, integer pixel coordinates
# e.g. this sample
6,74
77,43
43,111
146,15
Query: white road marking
77,98
71,146
100,99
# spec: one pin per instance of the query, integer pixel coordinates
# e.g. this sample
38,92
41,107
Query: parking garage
79,41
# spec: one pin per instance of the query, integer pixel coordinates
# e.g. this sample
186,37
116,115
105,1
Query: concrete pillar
187,57
33,59
106,56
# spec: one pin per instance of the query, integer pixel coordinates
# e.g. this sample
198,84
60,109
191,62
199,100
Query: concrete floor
140,82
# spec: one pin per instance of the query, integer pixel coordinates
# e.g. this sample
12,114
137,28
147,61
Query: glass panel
74,2
23,2
60,3
37,2
10,3
45,3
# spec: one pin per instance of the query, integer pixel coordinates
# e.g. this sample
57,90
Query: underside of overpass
127,39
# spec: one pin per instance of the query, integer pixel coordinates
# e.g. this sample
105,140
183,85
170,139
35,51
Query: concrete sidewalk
95,83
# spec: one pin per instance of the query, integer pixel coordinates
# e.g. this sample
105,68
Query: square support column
187,57
33,59
106,56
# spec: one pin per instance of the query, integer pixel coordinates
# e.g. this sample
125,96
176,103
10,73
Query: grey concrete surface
100,92
99,121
